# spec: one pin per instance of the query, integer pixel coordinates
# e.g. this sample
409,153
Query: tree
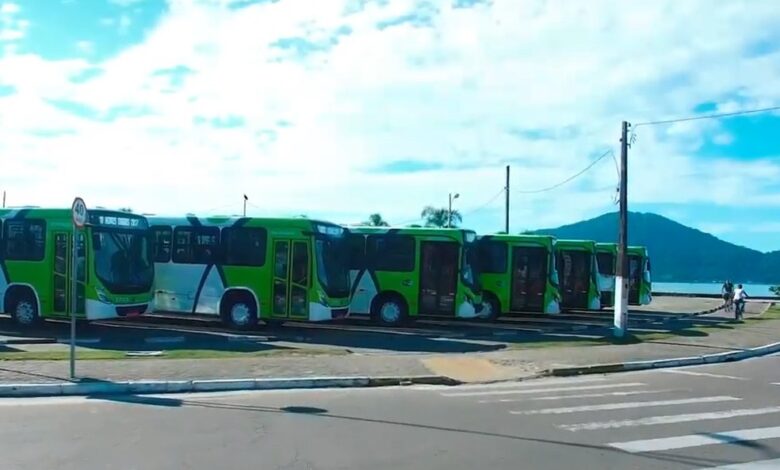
438,217
376,220
775,290
126,209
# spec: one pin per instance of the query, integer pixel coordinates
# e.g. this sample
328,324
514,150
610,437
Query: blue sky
341,108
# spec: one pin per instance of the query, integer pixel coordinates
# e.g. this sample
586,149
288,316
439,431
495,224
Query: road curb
727,356
141,387
12,341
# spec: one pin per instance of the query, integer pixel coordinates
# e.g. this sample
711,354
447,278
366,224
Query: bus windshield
333,265
469,269
123,260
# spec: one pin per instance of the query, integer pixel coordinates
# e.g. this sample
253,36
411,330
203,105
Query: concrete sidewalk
520,360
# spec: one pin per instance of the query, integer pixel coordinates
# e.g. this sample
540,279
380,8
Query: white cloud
11,28
445,95
9,8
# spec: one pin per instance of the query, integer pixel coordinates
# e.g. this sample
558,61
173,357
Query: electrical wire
708,116
482,206
557,185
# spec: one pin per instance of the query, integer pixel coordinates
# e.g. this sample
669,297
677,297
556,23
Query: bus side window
393,253
25,240
492,256
161,243
244,246
196,245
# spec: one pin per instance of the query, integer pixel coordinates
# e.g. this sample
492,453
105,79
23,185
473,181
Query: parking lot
153,333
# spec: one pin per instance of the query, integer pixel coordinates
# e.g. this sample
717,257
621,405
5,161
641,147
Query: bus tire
389,310
490,307
24,308
239,311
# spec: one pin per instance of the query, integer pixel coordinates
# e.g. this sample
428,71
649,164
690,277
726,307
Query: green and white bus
578,273
639,283
114,270
518,274
640,286
247,269
606,257
400,273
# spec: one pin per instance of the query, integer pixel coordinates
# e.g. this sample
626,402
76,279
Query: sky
337,109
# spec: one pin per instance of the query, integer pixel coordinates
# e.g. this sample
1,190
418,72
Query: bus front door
635,275
292,278
438,277
529,278
574,270
62,270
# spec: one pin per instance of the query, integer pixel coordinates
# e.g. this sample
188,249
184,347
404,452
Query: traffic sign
79,210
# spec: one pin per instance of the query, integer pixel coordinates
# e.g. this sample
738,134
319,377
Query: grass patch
700,330
87,355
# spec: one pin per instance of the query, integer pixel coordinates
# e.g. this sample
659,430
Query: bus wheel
240,312
490,309
390,311
25,311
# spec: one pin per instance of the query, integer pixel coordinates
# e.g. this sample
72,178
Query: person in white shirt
739,301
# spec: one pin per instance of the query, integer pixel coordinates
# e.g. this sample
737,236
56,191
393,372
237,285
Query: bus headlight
101,295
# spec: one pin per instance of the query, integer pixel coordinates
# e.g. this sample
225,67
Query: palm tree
439,217
376,220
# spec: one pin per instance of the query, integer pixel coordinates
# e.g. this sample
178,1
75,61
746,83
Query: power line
482,206
557,185
708,116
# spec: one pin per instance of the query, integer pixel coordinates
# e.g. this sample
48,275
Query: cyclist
727,291
739,302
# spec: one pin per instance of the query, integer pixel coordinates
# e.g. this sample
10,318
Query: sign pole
79,215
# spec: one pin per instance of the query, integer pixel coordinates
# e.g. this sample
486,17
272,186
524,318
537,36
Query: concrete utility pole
245,199
622,274
506,204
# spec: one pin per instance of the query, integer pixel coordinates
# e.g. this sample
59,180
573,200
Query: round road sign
79,212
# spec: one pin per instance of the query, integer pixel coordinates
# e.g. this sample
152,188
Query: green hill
680,253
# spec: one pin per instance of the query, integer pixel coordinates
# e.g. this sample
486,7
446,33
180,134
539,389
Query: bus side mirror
96,245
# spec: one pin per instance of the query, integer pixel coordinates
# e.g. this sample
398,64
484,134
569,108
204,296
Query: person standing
727,291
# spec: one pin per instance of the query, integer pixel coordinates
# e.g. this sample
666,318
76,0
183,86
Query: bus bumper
319,312
468,310
552,307
97,310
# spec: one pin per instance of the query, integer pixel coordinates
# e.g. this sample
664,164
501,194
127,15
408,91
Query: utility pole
245,199
506,204
449,209
4,199
622,274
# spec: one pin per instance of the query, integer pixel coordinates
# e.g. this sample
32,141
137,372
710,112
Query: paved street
703,417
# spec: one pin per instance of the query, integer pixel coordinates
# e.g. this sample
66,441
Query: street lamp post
449,210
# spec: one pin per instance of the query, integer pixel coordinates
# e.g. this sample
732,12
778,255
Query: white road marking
541,390
590,395
700,374
527,384
598,395
623,406
669,419
773,464
696,440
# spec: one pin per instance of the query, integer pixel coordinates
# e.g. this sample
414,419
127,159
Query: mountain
679,253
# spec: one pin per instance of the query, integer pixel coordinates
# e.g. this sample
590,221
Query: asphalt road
702,417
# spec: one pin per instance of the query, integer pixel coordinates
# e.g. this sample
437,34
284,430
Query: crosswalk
634,417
